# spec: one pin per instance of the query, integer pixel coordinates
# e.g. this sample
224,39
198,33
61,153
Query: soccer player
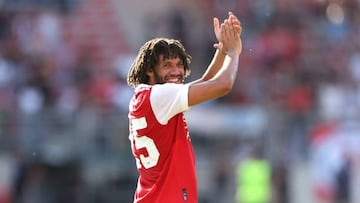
159,137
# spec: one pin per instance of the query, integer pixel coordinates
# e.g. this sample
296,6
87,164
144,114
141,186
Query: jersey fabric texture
161,144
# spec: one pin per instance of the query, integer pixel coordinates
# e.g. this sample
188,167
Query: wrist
232,54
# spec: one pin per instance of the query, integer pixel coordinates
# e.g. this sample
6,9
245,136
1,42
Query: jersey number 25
143,142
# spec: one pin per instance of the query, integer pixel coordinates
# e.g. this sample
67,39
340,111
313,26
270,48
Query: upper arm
168,100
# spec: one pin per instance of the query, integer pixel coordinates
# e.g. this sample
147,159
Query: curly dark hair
149,56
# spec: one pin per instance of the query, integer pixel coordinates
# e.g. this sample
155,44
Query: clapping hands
228,35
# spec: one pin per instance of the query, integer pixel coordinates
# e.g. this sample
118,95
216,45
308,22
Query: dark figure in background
343,183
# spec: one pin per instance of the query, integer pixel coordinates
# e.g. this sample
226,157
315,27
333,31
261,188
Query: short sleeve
169,99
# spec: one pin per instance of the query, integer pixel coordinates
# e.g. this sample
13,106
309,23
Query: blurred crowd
301,62
62,114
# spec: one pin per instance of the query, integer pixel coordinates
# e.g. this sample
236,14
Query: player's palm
235,23
231,41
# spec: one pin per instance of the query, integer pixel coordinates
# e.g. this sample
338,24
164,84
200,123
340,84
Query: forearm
229,70
214,66
219,85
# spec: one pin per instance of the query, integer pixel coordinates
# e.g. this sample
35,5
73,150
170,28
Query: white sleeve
169,99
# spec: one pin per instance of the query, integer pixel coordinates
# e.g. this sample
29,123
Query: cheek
179,70
159,76
161,73
182,72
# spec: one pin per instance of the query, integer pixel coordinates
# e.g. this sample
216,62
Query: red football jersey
161,144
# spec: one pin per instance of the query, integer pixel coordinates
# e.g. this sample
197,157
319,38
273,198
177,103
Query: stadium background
63,97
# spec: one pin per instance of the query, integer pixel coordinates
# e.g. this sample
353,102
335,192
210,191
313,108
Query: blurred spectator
280,177
253,177
343,181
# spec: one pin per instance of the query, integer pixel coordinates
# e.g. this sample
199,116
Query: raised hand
230,42
231,23
235,22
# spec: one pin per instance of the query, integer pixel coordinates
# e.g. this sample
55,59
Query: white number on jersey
144,142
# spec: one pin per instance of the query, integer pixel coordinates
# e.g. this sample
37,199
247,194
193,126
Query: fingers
237,29
235,22
216,25
218,46
233,19
229,29
222,31
228,32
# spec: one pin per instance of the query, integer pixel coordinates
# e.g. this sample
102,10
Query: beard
163,80
158,79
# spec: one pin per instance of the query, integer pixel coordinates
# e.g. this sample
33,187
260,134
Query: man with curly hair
159,136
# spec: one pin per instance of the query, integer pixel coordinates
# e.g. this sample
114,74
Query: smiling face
159,61
168,70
